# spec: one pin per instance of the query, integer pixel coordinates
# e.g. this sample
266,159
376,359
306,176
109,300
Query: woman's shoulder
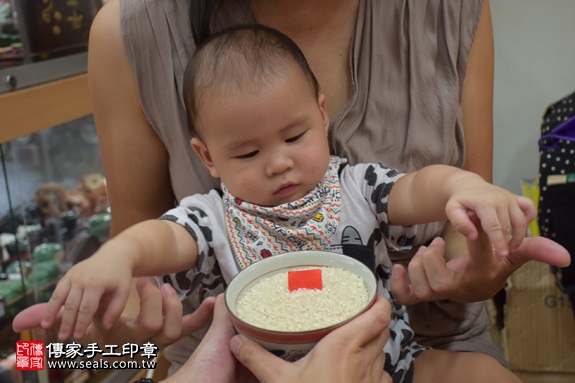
156,37
106,44
141,20
106,20
154,8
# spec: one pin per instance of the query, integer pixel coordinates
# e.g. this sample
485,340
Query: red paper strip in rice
305,279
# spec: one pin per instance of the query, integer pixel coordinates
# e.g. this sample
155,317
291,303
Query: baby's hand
97,282
504,216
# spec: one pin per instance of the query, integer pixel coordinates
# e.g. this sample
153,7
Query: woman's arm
135,160
477,102
477,105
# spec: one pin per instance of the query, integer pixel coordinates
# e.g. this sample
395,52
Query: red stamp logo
29,355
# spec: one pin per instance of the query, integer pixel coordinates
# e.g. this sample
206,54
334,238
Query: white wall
534,67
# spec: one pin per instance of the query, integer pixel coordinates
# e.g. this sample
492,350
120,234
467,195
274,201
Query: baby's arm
437,192
101,283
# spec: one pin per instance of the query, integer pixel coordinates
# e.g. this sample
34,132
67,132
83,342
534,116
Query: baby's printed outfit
346,213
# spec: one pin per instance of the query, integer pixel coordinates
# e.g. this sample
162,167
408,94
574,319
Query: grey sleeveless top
408,63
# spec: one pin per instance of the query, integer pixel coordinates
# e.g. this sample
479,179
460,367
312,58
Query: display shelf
47,136
34,109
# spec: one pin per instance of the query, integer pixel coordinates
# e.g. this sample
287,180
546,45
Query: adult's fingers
215,308
400,286
171,316
432,278
357,346
418,276
150,318
480,252
265,366
29,318
542,250
199,318
364,337
161,313
367,326
429,276
115,306
442,281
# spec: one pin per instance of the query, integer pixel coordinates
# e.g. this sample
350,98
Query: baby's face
269,147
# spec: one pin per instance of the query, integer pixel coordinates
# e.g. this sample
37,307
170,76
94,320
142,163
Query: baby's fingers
528,208
497,226
519,222
70,313
115,307
59,296
459,217
85,312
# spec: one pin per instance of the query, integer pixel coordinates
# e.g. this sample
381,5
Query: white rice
269,304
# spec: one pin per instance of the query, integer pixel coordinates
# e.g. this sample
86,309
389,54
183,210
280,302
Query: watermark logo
29,355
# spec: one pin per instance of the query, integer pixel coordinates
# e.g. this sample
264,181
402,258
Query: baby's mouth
286,189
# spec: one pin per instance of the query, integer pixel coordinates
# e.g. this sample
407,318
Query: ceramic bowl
292,345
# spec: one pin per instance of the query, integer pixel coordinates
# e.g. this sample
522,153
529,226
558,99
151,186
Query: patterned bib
309,223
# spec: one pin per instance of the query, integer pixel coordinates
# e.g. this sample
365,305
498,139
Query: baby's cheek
248,185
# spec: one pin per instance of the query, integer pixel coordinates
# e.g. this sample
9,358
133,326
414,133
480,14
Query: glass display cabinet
53,205
53,200
53,211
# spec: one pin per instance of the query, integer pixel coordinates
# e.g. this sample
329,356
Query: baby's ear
202,151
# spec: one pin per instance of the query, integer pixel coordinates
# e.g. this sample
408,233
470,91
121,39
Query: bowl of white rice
288,302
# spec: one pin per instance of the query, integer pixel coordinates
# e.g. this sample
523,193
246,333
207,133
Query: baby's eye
248,155
295,138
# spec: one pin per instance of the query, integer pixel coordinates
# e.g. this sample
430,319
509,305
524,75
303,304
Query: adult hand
477,275
213,361
159,320
352,353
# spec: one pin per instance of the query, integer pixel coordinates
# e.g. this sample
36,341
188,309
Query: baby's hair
241,58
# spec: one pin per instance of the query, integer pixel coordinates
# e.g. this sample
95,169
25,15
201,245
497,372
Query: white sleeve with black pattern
200,216
375,182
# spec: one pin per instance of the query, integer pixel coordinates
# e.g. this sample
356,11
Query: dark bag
556,214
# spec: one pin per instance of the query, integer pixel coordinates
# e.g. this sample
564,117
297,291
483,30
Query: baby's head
256,115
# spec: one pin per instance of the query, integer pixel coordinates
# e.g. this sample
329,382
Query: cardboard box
539,327
546,377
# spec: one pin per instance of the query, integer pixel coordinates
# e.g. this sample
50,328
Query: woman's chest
333,72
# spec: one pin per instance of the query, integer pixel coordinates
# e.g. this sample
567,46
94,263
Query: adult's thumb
263,364
540,249
29,318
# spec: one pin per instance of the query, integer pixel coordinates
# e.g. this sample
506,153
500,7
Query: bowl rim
253,330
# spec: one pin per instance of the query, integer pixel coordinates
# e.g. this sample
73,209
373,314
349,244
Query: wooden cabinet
31,110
